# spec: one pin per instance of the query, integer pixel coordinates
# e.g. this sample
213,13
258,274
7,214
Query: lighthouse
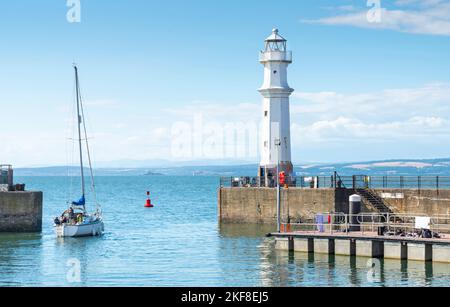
276,136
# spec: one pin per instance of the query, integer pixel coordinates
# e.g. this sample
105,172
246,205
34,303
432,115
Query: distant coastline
399,167
150,173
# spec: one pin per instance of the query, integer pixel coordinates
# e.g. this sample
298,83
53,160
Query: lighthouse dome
275,37
275,42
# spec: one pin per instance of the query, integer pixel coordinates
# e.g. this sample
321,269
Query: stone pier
21,212
258,205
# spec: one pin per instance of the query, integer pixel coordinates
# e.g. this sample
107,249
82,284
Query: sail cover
81,202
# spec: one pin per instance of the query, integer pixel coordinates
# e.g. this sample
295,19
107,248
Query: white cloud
390,104
322,122
351,130
397,116
223,112
412,16
392,123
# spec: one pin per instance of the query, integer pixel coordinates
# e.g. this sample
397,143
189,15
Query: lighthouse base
268,174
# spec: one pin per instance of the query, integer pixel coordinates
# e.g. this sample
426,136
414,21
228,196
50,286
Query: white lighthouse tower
276,135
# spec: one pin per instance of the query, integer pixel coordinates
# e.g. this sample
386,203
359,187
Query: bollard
355,205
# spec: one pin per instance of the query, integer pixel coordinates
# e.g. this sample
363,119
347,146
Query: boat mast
79,134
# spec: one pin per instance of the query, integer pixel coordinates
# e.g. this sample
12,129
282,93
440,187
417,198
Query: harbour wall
413,201
21,212
258,205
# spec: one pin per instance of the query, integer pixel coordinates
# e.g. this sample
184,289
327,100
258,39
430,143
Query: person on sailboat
79,219
70,213
68,216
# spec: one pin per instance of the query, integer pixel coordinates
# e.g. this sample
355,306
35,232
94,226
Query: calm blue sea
178,243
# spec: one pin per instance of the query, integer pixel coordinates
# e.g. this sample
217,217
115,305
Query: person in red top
282,178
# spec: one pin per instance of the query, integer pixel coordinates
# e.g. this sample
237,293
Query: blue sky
364,90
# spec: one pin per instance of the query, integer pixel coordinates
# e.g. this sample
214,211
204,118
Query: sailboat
76,221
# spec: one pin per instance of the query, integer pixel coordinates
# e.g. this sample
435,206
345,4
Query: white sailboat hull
86,230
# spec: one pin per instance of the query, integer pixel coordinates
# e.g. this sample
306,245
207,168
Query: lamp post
278,145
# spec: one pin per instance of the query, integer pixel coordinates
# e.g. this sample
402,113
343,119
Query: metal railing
397,182
271,182
284,56
349,182
366,224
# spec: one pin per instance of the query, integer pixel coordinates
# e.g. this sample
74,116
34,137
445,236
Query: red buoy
148,204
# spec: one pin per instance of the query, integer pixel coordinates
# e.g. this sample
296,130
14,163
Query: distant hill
400,167
231,170
75,171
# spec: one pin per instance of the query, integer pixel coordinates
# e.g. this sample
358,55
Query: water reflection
200,254
353,278
429,273
70,249
18,260
404,270
325,270
245,230
282,268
